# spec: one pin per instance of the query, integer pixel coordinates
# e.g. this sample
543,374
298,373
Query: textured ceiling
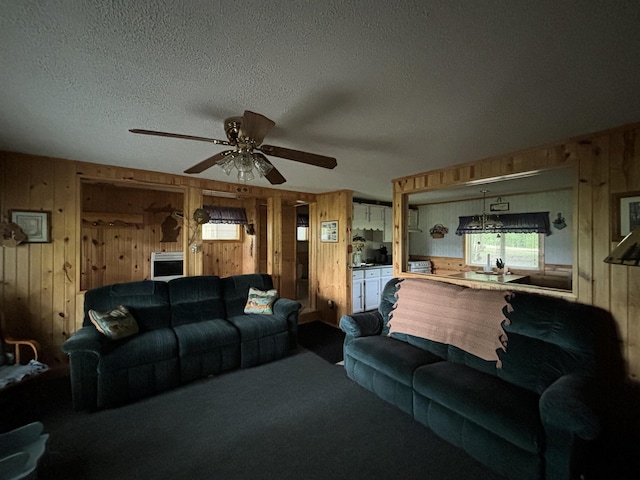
388,88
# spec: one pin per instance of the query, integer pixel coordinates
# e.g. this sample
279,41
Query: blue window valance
220,214
537,222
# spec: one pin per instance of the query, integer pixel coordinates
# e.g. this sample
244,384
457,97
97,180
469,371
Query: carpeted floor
296,418
322,339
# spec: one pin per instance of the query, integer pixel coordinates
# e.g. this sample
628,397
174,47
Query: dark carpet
322,339
296,418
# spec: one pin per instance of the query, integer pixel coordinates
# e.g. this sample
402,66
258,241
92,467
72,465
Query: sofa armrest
572,403
290,310
361,324
84,347
87,339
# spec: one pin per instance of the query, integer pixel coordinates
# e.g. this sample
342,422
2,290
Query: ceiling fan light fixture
262,167
226,164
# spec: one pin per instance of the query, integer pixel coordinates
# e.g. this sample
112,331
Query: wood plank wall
120,227
607,163
40,292
329,277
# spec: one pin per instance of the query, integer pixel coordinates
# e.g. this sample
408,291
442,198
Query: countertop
371,265
484,277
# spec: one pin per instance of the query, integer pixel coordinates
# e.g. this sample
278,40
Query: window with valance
537,222
229,215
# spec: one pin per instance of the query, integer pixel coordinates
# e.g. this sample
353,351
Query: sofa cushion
115,324
550,337
255,325
204,336
260,301
394,358
196,299
500,407
148,302
146,348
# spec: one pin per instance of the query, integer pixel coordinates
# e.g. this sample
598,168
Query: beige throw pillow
114,324
260,301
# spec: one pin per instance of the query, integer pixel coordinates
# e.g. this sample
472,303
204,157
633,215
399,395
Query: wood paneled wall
607,163
120,227
225,258
329,275
40,292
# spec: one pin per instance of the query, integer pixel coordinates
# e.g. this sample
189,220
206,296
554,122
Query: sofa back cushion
236,290
388,303
195,299
549,337
148,302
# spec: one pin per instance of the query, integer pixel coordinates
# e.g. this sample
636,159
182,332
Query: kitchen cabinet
367,286
387,235
368,217
386,274
357,291
371,288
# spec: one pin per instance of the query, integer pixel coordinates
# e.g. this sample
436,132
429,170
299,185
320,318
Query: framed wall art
625,214
329,231
35,224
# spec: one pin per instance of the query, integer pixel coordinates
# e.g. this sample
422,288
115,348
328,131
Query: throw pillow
114,324
260,301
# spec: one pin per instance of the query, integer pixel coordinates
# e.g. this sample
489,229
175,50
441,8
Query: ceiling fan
246,134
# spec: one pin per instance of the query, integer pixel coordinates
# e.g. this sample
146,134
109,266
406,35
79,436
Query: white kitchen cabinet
371,288
357,291
386,274
387,235
368,217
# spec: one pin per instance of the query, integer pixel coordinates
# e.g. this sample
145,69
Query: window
220,231
302,234
517,250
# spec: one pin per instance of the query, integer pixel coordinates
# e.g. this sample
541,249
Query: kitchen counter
370,265
490,277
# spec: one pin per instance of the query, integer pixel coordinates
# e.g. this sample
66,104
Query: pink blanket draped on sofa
467,318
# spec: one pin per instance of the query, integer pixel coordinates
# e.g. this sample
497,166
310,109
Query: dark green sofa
535,417
190,328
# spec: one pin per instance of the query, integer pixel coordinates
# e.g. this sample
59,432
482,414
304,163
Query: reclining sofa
529,415
188,328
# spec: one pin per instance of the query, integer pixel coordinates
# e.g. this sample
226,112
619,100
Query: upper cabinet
388,225
368,217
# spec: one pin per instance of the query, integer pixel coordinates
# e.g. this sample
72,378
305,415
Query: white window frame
221,232
501,254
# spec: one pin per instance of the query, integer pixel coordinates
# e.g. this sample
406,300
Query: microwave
166,266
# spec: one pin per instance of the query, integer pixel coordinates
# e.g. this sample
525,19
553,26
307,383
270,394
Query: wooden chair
6,340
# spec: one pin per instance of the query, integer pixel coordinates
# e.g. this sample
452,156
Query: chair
21,450
16,344
12,371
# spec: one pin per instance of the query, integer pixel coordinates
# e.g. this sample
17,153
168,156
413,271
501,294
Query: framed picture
499,207
35,224
329,231
625,214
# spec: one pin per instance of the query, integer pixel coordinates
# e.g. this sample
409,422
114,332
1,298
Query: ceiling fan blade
209,162
298,156
255,126
178,135
274,176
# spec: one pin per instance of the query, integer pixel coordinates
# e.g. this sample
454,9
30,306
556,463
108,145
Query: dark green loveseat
189,328
534,417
